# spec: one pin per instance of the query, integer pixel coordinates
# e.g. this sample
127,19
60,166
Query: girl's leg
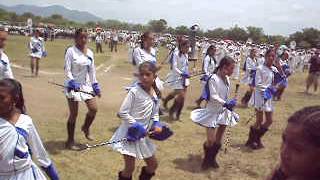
32,62
175,105
147,172
168,98
37,66
254,130
263,129
73,109
207,149
129,165
180,99
91,114
220,133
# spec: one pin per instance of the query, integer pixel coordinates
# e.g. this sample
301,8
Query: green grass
179,157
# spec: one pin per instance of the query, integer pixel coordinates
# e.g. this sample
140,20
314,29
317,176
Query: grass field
179,157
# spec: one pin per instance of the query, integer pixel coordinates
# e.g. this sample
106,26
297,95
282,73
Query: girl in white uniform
237,59
262,103
178,79
5,68
20,143
141,106
218,113
145,53
208,68
250,67
80,74
37,49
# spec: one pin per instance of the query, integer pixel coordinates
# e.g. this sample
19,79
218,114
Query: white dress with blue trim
80,68
5,68
179,66
251,65
215,114
140,107
19,145
140,56
264,79
36,46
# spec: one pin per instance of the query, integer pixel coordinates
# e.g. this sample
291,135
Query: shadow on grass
191,164
242,148
55,147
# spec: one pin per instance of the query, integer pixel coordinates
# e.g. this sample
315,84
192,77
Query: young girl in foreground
20,143
140,108
300,149
218,113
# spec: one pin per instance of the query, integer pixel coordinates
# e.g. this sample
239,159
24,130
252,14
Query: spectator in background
114,41
314,72
99,41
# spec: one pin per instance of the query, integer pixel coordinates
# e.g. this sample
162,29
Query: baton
60,85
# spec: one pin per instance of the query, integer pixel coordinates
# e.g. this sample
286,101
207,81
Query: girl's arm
40,155
213,86
175,64
137,56
67,65
126,107
92,72
205,65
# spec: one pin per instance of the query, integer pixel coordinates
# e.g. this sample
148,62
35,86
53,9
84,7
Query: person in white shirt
208,67
139,111
250,67
5,68
80,74
178,80
218,114
262,101
236,72
20,145
38,51
99,41
114,41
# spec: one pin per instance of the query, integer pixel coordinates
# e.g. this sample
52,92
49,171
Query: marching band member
218,113
5,68
250,67
145,53
80,74
178,79
237,59
262,101
208,67
20,143
37,48
299,154
139,110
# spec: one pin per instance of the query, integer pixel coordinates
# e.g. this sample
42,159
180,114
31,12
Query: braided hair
154,69
15,89
309,119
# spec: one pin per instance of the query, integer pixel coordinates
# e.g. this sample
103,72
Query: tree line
306,38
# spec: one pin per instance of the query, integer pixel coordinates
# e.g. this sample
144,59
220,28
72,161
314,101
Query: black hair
183,42
268,52
225,61
154,69
78,32
210,48
144,37
309,119
15,89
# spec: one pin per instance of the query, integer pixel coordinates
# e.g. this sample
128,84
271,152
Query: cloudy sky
275,16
